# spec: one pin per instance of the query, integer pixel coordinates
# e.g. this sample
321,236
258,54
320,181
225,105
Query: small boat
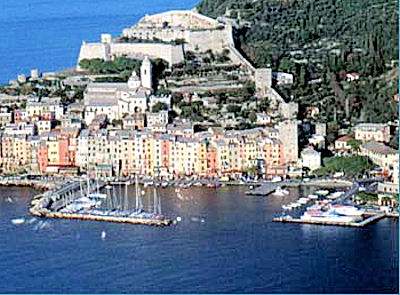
280,192
178,194
345,210
335,195
103,235
322,192
313,197
303,201
17,221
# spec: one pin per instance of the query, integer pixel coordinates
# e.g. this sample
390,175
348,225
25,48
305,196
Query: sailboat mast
137,191
126,195
80,187
159,204
97,182
120,196
87,178
155,202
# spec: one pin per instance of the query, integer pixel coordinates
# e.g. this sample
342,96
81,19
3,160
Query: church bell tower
145,73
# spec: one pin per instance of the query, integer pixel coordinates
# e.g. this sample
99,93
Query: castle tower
134,81
145,73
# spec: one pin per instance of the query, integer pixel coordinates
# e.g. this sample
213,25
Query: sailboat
96,194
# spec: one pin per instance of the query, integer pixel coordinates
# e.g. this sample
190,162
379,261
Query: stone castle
154,35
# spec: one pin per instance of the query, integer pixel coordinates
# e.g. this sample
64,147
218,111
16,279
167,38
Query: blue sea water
47,34
237,249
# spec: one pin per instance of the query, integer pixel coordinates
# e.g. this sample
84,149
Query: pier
104,218
51,204
372,218
264,189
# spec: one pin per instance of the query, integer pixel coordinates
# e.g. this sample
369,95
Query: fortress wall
93,50
237,58
150,33
184,18
173,54
215,40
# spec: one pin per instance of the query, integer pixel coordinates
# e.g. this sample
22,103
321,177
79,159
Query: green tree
232,108
354,145
159,106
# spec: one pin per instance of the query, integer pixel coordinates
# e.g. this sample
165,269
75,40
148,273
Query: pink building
42,158
63,152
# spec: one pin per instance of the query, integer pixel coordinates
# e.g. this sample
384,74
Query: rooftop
379,148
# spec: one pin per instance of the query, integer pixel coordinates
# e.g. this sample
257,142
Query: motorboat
335,195
17,221
325,216
347,210
303,201
322,192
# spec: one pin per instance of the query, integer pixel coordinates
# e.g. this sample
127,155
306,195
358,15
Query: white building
283,78
311,159
43,126
39,109
118,99
380,154
21,128
263,119
372,132
160,118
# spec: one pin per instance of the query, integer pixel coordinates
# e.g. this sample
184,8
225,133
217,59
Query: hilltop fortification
167,35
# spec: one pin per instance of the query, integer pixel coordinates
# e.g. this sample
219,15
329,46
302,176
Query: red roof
345,138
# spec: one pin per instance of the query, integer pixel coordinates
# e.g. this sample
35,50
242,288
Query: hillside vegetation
319,42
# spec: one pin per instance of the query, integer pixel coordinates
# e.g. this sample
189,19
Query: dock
264,189
91,217
50,203
363,223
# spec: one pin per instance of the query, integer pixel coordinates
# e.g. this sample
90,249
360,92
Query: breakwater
52,204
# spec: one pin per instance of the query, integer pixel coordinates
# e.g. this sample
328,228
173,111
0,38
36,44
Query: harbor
98,201
331,207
